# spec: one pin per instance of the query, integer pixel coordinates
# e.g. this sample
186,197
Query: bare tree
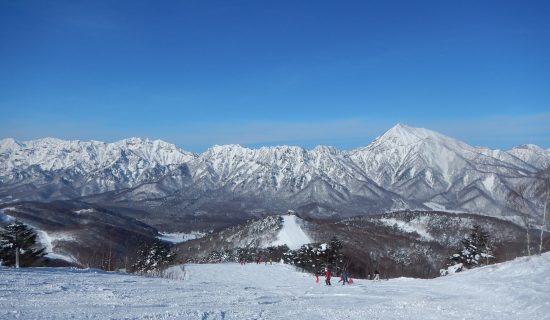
517,200
543,192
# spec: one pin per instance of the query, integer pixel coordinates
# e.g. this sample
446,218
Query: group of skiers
344,277
258,260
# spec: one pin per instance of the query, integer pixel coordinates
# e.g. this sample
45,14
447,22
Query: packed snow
513,290
291,233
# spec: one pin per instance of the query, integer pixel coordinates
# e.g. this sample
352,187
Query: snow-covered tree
517,199
542,189
476,249
19,246
152,257
314,257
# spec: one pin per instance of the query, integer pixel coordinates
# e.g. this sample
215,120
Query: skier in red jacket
327,276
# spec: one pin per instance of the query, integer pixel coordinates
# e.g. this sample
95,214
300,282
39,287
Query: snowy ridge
513,290
406,167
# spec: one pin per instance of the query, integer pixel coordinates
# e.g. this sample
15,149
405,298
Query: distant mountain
405,168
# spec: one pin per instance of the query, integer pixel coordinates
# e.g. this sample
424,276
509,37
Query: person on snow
376,275
327,276
344,277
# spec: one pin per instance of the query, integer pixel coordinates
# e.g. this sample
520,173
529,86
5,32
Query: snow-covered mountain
445,173
60,169
406,167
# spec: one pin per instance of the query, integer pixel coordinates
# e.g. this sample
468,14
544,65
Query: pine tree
19,246
152,257
476,249
334,254
315,257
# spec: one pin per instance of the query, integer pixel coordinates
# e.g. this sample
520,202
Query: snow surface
291,233
513,290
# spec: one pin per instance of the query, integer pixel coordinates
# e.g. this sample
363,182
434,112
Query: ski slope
513,290
291,233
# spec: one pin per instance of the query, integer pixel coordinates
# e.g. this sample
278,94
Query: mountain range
405,168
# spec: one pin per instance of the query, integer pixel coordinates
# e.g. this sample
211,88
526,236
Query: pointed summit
404,135
9,144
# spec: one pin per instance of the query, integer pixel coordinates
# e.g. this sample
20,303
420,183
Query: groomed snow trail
514,290
291,233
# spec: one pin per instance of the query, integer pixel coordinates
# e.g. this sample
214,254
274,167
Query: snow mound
291,233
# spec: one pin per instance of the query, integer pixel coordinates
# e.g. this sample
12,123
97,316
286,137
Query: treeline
313,257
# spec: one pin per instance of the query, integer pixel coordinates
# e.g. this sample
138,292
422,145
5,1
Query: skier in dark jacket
345,276
327,276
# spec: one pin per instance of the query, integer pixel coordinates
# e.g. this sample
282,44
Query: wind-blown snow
291,233
513,290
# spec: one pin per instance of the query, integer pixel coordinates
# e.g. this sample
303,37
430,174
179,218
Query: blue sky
198,73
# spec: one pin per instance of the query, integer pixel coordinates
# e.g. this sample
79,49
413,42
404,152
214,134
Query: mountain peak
8,144
403,135
530,147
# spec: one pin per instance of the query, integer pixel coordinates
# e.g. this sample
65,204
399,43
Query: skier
327,276
344,277
376,275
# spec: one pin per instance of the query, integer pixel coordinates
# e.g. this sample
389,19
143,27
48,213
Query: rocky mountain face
405,168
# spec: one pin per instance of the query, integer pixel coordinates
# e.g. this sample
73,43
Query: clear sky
198,73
